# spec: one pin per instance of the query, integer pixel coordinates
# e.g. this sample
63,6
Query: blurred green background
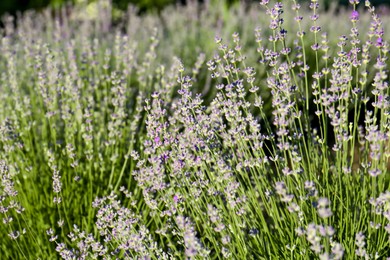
14,6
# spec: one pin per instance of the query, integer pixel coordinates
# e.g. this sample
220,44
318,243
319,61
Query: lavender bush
126,137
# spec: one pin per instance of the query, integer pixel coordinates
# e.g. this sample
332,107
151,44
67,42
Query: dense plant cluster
142,139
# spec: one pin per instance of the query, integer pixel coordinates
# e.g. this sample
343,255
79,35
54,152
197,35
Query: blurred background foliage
14,6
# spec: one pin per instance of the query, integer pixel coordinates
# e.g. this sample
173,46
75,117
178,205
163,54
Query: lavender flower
354,16
379,42
181,158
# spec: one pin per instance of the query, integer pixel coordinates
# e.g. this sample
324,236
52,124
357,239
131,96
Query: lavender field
205,132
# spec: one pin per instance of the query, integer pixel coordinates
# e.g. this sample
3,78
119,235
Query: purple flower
379,42
264,2
176,198
354,16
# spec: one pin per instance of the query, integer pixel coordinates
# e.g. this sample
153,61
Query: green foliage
19,5
152,137
143,5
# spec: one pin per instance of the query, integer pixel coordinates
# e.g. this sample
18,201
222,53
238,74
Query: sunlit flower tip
354,16
387,228
49,232
330,231
300,231
324,212
374,172
157,139
338,251
323,202
14,235
60,222
324,256
359,239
